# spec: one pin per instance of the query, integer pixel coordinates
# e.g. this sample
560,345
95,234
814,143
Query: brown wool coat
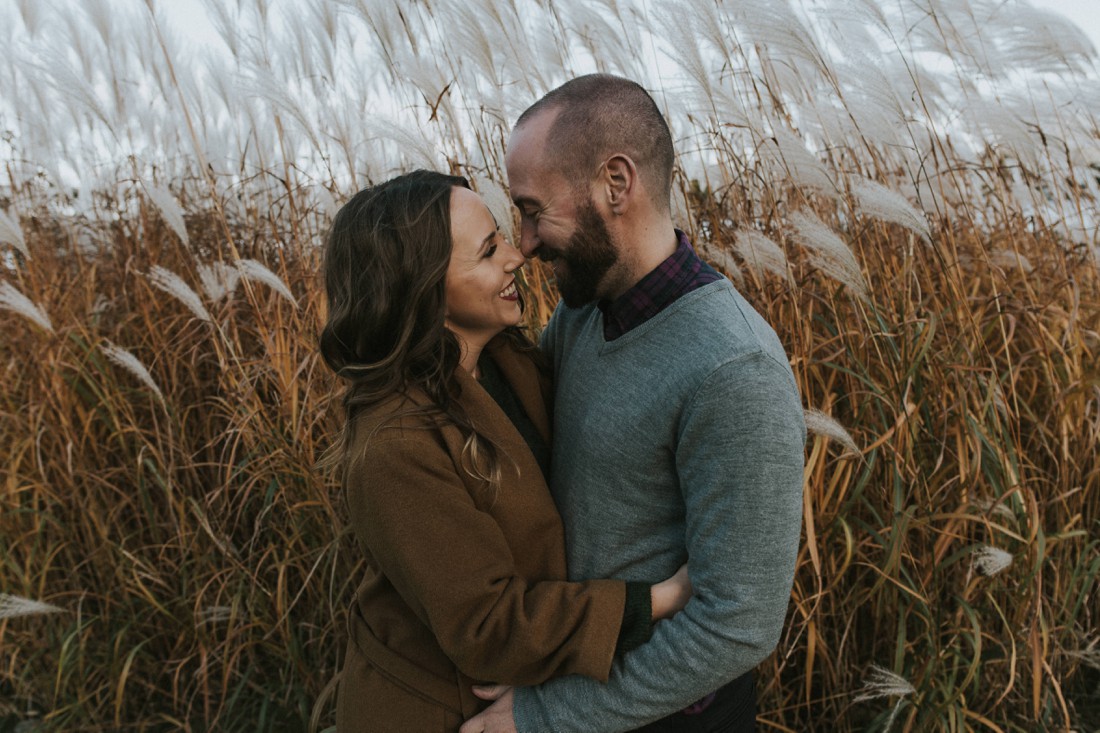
462,585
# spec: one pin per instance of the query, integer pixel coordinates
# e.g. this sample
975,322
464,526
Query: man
678,431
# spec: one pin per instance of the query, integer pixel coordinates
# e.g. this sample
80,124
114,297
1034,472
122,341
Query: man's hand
497,718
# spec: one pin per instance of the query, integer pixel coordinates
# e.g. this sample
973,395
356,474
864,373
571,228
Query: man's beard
590,255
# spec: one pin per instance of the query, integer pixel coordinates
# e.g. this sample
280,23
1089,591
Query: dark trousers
732,711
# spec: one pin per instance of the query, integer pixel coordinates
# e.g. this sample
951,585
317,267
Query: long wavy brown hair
385,264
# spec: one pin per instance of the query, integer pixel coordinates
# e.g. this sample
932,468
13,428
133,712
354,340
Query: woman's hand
669,596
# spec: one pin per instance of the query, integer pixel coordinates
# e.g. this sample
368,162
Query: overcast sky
190,16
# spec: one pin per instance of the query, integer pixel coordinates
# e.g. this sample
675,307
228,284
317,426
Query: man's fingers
490,692
473,725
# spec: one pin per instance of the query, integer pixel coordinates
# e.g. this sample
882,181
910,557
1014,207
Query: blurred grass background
924,244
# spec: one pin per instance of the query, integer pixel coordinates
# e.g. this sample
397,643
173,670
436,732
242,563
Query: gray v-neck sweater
681,440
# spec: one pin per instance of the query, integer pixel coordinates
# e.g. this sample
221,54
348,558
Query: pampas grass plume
497,201
256,271
132,364
15,606
174,285
169,209
828,252
991,560
13,300
819,423
874,199
761,253
218,279
1007,259
881,682
11,233
726,263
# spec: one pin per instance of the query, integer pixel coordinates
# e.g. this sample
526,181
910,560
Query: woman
442,458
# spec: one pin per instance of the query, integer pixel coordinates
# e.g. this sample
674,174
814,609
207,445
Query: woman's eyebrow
485,242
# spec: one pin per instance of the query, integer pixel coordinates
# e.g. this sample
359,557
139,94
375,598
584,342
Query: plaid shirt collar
678,275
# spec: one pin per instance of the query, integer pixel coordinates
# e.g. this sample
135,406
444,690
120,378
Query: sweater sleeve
739,460
450,562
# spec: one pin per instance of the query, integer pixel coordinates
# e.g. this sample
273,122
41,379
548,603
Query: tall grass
906,190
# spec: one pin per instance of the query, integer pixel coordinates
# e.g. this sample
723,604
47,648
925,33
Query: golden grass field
198,569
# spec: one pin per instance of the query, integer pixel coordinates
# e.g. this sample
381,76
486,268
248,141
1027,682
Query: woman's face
481,294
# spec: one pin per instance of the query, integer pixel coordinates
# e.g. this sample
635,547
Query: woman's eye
491,251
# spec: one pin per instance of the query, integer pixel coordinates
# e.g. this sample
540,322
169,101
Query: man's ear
619,181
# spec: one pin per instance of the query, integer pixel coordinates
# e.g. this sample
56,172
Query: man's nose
528,242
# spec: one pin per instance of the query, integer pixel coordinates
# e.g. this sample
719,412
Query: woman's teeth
509,291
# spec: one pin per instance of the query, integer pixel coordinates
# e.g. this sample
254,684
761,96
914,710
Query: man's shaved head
598,116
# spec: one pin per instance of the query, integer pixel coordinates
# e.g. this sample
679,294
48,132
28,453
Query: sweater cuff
637,618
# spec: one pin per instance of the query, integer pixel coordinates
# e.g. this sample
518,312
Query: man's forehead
532,134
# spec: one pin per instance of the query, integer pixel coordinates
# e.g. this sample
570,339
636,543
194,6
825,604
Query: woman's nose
515,260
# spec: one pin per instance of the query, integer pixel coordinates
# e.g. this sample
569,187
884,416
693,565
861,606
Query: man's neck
644,248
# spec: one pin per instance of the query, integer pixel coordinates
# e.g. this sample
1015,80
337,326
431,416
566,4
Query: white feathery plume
13,300
326,202
681,209
998,508
468,34
218,279
11,233
991,560
881,682
15,606
226,26
761,253
132,364
324,31
724,261
264,85
174,285
819,423
683,44
418,150
1038,37
1004,128
31,12
828,252
785,148
847,24
56,71
875,199
497,201
101,305
884,683
256,271
777,28
424,73
169,209
214,614
1006,258
102,17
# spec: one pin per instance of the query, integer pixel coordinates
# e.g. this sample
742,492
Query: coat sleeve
450,562
739,460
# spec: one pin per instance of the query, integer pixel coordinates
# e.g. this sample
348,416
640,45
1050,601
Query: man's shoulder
718,320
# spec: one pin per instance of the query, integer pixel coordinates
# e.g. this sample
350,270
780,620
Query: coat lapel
523,375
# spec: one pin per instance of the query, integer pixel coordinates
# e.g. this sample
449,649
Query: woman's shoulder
512,348
410,414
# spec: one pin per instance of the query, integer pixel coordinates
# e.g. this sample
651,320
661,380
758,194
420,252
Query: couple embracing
595,534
